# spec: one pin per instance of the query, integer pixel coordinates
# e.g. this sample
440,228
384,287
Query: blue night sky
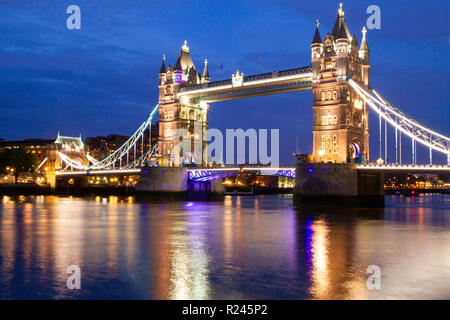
103,78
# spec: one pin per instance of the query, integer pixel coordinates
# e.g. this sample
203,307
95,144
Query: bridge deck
99,172
418,169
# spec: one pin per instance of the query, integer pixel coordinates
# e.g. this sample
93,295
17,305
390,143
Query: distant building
73,144
37,147
101,147
71,147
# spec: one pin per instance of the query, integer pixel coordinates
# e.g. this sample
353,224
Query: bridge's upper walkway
257,85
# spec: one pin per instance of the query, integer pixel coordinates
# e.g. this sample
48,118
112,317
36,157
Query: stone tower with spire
340,129
180,118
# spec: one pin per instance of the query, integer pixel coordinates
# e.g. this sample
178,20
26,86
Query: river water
246,247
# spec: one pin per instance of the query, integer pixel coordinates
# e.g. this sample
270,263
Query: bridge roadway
81,173
209,173
407,168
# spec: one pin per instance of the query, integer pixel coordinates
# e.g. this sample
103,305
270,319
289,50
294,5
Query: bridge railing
237,167
393,166
402,125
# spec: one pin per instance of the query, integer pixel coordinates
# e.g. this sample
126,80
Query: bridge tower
340,125
182,123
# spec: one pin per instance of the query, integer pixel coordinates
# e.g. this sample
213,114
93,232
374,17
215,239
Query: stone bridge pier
172,183
337,184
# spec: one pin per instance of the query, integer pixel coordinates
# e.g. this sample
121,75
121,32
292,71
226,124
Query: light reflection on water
255,247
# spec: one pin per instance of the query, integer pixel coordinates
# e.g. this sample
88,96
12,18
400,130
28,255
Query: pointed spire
205,75
340,29
340,11
178,63
185,48
163,65
317,38
364,45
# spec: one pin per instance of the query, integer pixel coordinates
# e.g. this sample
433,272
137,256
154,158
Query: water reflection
244,248
335,265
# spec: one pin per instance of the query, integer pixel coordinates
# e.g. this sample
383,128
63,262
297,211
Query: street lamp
321,153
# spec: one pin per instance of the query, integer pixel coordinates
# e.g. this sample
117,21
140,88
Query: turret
177,71
205,76
316,52
340,29
364,49
162,71
364,54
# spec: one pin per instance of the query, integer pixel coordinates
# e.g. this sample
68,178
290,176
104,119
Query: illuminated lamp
358,104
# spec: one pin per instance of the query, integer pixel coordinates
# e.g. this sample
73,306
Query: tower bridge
339,78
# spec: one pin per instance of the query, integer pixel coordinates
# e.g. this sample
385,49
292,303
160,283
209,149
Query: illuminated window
330,119
323,96
329,145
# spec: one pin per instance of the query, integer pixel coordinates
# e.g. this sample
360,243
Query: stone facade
335,184
340,124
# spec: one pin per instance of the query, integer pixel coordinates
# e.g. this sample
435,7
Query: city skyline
62,79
